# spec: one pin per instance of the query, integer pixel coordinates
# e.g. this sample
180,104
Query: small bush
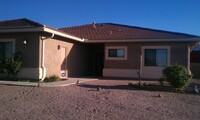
52,78
177,76
11,66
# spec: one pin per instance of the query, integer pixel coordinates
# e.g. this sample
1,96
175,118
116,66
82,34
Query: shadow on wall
78,60
195,68
195,57
195,64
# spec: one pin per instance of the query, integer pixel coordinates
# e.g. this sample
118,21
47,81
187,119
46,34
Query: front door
99,63
63,62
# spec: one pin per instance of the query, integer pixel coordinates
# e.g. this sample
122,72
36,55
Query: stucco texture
179,54
30,51
76,61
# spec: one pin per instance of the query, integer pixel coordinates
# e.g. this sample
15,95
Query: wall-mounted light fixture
25,42
59,47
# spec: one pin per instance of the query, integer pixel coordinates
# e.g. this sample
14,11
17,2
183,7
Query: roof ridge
34,22
137,27
73,26
152,29
10,19
82,25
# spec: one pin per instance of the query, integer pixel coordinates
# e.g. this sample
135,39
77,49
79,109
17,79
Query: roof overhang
42,29
196,39
62,34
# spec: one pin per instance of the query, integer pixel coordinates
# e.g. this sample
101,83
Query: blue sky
173,15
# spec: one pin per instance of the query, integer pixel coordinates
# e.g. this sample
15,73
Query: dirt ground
96,100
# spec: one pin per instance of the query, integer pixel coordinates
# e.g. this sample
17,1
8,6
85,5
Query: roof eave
196,39
49,30
42,29
12,30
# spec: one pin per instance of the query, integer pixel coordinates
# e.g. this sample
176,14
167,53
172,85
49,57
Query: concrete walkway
68,82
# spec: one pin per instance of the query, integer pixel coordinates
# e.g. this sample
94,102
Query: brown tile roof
100,31
19,23
110,31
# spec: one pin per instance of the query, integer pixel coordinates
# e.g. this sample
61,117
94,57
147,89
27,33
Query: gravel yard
113,101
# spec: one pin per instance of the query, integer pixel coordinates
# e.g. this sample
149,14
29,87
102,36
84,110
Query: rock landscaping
97,100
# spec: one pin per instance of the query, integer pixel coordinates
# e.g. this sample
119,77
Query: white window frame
116,58
10,40
156,47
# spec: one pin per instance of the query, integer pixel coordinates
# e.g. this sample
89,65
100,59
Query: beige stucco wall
53,55
179,54
30,52
132,62
77,57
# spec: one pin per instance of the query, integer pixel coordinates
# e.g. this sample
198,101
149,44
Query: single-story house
97,49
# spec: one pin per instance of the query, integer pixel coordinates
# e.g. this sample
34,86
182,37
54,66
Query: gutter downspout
43,58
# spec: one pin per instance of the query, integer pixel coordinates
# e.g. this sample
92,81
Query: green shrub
16,64
177,76
52,78
11,66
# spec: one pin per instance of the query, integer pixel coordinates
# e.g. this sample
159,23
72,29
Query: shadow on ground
195,83
148,87
124,79
98,87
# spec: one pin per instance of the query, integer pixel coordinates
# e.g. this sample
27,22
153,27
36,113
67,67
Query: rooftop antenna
110,32
94,25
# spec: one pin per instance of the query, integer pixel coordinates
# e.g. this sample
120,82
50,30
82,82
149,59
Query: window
116,53
156,57
6,50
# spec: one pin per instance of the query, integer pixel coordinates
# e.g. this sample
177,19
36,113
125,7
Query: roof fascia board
63,34
196,39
